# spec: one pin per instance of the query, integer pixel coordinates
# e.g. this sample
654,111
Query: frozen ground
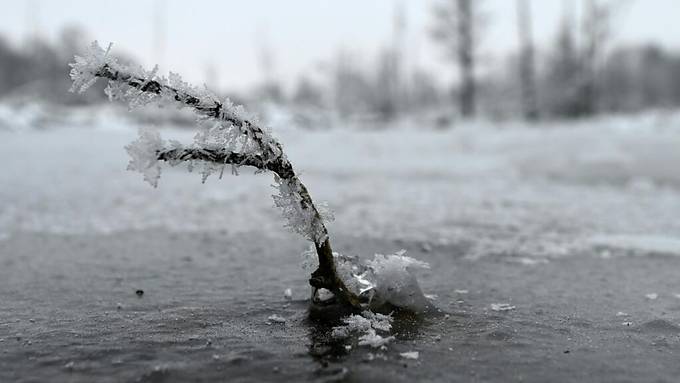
574,226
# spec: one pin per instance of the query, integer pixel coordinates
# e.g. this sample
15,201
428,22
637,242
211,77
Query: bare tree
595,33
455,28
526,61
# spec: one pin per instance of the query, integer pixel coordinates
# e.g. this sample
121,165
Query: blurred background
323,64
501,124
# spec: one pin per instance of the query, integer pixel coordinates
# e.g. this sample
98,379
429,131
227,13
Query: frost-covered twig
228,137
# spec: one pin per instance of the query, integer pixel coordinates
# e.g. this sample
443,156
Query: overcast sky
226,38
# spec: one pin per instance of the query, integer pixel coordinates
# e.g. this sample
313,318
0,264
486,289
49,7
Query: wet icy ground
577,228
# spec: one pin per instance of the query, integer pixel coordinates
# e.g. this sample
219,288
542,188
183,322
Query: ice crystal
144,157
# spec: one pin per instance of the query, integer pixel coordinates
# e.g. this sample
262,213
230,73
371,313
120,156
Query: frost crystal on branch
227,136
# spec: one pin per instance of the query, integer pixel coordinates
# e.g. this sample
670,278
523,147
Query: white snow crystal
144,155
410,355
502,307
374,340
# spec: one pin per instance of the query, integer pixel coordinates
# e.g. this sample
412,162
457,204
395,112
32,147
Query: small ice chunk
410,355
621,314
651,296
459,291
502,307
432,297
276,319
324,294
627,323
374,340
288,294
395,282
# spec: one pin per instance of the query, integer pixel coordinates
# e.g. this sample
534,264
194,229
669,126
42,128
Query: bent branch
271,158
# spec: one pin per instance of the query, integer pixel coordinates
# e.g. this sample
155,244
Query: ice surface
639,244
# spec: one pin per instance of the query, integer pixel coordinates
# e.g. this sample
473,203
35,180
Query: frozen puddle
639,244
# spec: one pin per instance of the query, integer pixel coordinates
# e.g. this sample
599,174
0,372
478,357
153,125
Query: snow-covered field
539,191
528,231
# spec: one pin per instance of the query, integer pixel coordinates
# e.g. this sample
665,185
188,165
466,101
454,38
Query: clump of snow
368,320
374,340
367,324
410,355
386,279
394,282
502,307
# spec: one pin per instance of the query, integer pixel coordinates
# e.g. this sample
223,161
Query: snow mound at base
387,279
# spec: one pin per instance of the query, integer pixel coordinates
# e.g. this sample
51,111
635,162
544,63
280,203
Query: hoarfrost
144,157
225,129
